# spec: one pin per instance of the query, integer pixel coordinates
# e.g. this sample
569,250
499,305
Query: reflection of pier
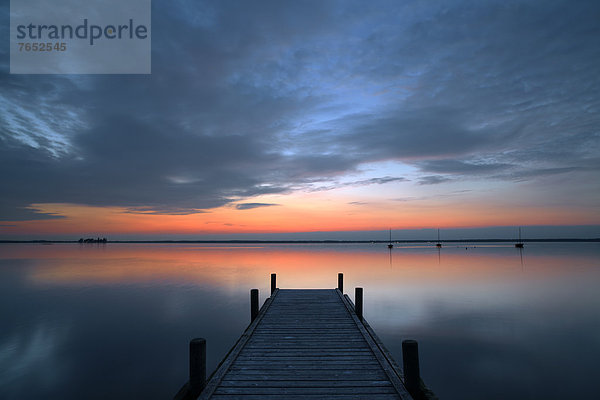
306,344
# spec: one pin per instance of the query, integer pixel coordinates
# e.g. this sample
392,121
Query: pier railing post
253,304
273,283
341,282
197,365
358,302
410,361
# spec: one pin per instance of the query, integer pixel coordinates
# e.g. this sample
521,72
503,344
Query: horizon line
332,241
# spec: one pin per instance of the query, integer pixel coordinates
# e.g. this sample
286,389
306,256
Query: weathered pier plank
306,344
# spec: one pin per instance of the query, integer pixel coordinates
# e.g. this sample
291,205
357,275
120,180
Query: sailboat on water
519,244
390,245
438,244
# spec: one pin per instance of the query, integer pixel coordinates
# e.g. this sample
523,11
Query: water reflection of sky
491,322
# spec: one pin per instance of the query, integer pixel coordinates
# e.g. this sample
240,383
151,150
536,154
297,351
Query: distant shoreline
304,241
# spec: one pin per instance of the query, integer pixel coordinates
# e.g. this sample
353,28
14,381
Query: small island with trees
92,240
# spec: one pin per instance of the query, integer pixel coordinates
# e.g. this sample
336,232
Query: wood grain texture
306,344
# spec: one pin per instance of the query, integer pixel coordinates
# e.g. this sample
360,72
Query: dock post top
253,304
410,362
197,364
340,285
358,300
273,283
197,341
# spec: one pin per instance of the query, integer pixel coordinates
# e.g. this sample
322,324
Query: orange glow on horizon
305,213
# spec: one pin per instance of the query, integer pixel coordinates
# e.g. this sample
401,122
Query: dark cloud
461,167
364,182
381,181
537,172
433,179
416,134
126,162
166,211
249,206
12,210
272,97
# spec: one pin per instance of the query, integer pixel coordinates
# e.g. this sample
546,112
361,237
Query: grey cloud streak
243,101
364,182
250,206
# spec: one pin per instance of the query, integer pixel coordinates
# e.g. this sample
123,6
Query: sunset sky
270,117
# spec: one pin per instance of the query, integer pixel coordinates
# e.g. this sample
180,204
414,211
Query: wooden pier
306,344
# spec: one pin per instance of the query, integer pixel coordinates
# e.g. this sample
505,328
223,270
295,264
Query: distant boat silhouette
438,244
519,244
390,245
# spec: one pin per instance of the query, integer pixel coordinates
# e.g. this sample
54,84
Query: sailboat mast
519,244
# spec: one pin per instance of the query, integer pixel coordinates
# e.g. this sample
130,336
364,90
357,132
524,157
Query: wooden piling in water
197,365
410,362
253,304
273,283
358,302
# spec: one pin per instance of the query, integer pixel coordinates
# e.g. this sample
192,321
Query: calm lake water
113,321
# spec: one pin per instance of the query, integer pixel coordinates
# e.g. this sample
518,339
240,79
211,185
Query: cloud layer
270,97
